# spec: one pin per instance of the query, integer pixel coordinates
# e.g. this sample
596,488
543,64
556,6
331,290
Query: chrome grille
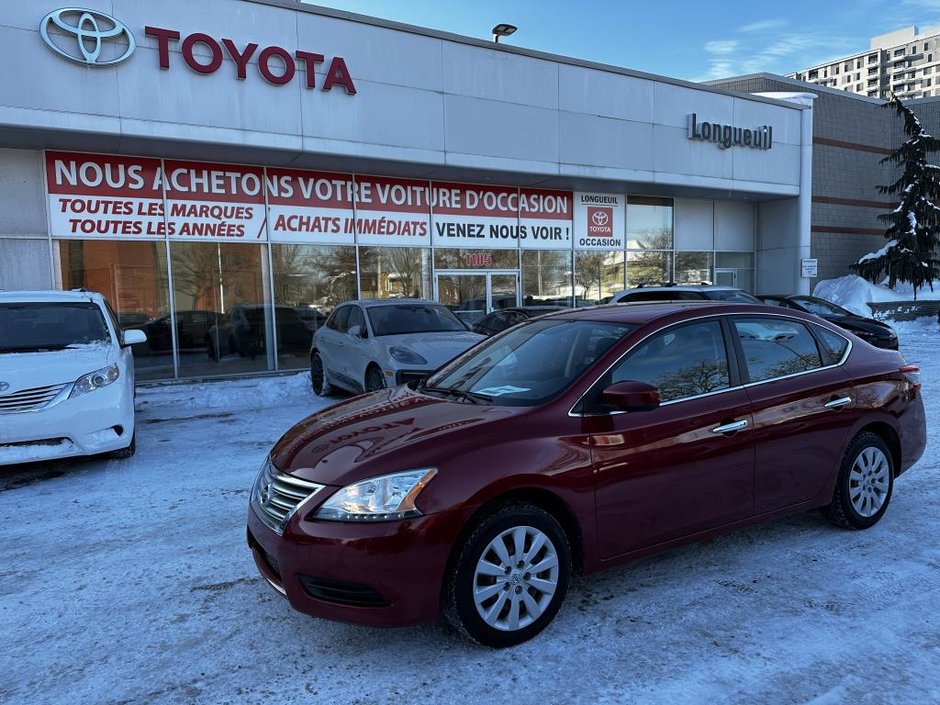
276,495
29,399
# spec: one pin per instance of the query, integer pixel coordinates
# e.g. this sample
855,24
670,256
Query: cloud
721,47
763,26
760,49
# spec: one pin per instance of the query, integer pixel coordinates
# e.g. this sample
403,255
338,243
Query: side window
833,344
339,319
682,362
355,319
776,347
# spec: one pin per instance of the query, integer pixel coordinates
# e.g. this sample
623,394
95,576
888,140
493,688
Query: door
684,467
726,277
472,295
803,410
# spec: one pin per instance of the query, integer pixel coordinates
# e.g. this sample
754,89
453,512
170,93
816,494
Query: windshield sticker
498,391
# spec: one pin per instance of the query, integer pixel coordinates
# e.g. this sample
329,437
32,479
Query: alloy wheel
515,578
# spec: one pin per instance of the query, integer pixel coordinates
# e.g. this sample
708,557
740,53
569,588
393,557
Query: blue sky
695,40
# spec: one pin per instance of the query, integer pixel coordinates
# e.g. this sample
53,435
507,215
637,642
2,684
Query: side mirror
632,396
357,332
134,337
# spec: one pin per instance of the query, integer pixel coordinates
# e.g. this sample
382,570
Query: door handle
838,403
731,427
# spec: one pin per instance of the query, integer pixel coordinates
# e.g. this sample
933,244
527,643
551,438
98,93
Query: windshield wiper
472,397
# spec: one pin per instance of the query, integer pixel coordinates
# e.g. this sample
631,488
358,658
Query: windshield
38,327
733,295
530,364
412,318
822,308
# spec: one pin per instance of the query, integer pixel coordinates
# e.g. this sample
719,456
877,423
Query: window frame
736,359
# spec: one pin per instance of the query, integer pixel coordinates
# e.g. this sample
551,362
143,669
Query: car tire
321,386
865,484
128,452
375,380
490,596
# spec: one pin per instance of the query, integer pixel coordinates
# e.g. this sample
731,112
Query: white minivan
66,377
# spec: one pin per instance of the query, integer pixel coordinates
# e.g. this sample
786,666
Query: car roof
372,303
640,313
679,287
50,296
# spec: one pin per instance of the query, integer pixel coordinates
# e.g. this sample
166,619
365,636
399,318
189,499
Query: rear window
398,319
776,347
741,297
41,327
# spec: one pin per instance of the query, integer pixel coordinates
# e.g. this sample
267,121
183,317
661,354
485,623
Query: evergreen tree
913,227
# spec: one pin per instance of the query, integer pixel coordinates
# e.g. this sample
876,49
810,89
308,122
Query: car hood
391,430
436,348
859,323
39,369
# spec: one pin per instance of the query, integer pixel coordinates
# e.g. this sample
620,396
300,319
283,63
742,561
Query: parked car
192,330
573,442
683,292
879,334
242,331
66,377
368,345
505,318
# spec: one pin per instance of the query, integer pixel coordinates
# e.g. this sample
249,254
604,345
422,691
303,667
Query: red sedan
574,442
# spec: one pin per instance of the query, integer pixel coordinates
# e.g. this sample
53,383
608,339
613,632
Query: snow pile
249,393
854,293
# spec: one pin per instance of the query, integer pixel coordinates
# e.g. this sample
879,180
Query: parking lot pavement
130,582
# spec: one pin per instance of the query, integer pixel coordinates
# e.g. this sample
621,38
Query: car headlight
384,498
406,356
95,380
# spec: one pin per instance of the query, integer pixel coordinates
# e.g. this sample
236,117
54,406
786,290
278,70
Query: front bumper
383,574
96,422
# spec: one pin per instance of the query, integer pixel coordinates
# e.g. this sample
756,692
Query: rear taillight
911,374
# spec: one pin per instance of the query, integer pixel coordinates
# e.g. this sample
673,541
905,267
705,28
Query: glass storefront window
649,223
735,269
309,280
546,278
694,267
649,268
454,258
390,272
133,277
598,276
223,316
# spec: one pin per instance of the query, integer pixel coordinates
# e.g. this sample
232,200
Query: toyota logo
599,218
4,386
87,37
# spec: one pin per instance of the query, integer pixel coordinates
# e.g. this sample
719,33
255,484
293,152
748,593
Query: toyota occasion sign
94,39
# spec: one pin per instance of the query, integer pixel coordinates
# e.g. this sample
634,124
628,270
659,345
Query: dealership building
247,164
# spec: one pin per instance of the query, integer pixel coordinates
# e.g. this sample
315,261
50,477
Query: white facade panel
369,118
678,155
674,104
591,140
734,226
607,94
694,224
493,128
374,53
66,88
497,75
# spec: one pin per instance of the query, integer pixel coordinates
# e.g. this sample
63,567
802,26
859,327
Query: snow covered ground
130,582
